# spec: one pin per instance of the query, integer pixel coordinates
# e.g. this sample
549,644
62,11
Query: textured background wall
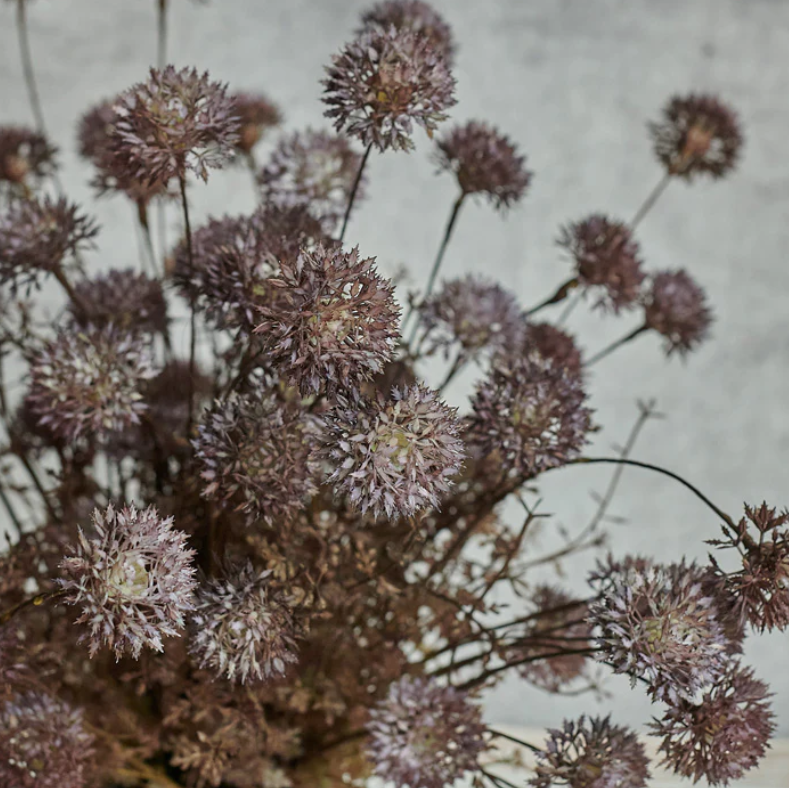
573,82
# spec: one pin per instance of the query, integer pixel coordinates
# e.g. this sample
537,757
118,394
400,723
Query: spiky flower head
43,743
384,82
25,156
531,414
256,114
315,169
658,624
697,134
178,120
331,321
133,580
424,734
724,735
553,344
485,162
243,628
607,261
592,753
676,307
413,15
474,313
392,456
89,382
130,301
37,235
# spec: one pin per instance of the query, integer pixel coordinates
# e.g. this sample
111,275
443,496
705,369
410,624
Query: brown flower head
724,735
484,162
176,121
256,115
555,345
392,456
25,156
314,169
383,83
531,413
331,321
423,734
607,259
43,743
38,235
697,134
592,753
242,628
133,581
676,307
413,15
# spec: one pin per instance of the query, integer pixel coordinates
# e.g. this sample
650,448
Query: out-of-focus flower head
314,169
592,753
553,344
724,735
607,260
676,307
697,134
133,581
392,456
25,156
178,120
383,83
485,162
89,382
242,628
43,743
413,15
425,734
331,321
257,114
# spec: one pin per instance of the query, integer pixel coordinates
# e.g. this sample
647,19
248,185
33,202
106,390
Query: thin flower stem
499,782
161,53
253,169
355,188
35,601
651,199
9,507
37,484
192,317
617,344
74,297
460,361
142,218
561,293
570,308
27,65
513,739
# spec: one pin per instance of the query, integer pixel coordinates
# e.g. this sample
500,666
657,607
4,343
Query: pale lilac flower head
26,157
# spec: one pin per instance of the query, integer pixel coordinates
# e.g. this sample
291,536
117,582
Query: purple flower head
555,345
25,156
133,581
256,115
698,134
383,83
423,734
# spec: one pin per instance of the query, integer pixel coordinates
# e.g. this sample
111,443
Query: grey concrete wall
573,82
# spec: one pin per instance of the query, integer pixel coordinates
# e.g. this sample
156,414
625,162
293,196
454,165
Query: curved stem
73,295
514,740
561,293
651,199
35,601
355,189
614,345
27,65
192,318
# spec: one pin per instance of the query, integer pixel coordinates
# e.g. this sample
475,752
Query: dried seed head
256,115
555,345
26,157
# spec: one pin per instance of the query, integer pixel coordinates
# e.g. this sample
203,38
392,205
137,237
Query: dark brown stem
37,483
11,512
36,601
617,344
651,199
514,740
457,365
27,65
73,295
561,293
354,189
192,318
142,218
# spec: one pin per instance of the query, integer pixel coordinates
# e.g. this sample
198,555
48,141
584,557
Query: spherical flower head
256,115
592,753
133,581
89,382
555,345
676,307
697,134
242,628
130,301
43,743
315,169
38,235
607,260
178,120
474,313
413,15
657,624
25,156
724,735
531,413
331,322
423,734
383,83
485,162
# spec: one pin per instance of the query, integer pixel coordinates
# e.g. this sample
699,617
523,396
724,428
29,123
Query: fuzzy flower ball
43,743
383,83
485,162
697,135
242,629
607,261
392,456
331,322
555,345
256,115
177,121
314,169
25,155
592,753
676,307
423,734
133,580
